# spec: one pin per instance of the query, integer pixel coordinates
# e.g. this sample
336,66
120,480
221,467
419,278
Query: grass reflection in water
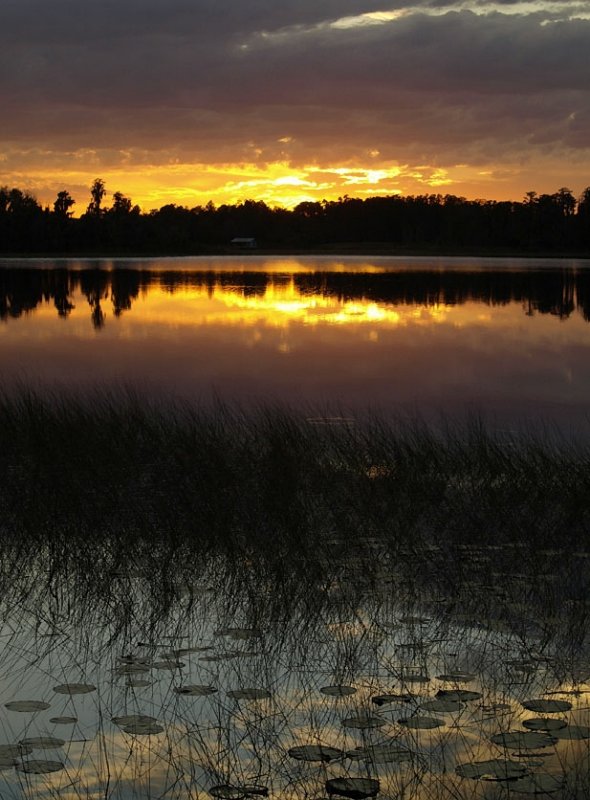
204,602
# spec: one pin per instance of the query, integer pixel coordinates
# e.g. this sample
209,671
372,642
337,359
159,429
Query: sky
190,101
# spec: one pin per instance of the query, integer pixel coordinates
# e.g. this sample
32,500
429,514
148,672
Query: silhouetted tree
22,221
121,205
62,204
97,193
583,218
566,201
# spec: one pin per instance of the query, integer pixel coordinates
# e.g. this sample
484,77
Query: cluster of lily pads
414,715
16,755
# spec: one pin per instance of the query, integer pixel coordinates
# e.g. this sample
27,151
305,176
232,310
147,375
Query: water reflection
277,672
505,341
560,292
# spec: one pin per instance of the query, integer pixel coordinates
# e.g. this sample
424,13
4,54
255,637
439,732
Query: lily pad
356,788
132,719
496,708
522,665
63,720
143,728
169,664
221,656
543,706
249,694
384,699
224,791
128,658
442,705
460,695
131,669
421,723
338,690
411,677
43,742
315,752
39,766
195,689
239,633
456,677
138,683
8,751
27,705
498,769
573,732
523,740
538,783
544,724
74,688
363,721
392,753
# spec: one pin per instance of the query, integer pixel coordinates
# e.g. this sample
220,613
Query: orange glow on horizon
277,183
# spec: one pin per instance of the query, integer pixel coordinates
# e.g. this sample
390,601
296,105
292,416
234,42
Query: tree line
551,223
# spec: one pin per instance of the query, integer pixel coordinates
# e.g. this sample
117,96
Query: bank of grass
276,483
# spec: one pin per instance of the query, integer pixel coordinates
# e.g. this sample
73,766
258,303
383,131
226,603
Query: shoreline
336,250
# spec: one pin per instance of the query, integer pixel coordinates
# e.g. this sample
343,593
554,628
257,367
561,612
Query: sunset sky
188,101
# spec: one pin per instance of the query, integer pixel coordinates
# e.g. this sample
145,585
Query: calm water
265,674
508,338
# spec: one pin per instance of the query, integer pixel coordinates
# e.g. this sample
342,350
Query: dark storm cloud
211,78
63,21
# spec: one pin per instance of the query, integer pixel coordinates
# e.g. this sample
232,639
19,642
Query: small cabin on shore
244,242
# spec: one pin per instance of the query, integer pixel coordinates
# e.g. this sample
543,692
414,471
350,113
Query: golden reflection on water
214,739
280,306
428,343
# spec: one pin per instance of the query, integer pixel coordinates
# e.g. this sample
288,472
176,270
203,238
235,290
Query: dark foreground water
507,338
472,682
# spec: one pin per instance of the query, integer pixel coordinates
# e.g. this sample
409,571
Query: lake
505,338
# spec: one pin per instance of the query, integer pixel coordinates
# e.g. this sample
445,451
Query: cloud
132,82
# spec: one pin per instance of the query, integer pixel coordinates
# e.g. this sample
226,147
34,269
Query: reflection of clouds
279,306
267,336
374,643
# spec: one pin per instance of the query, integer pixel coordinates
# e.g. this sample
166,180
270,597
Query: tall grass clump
108,482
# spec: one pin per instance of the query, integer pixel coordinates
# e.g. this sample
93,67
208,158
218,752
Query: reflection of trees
61,298
125,287
559,292
94,285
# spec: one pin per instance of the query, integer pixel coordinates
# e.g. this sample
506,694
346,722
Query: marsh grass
224,479
95,489
271,484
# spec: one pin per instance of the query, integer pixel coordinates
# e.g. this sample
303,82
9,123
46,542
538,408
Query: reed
223,478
